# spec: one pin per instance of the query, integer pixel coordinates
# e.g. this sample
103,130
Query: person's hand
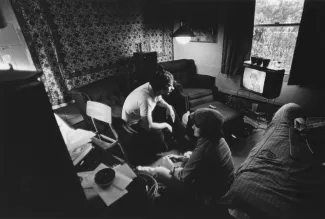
149,170
175,158
171,113
169,127
166,162
187,154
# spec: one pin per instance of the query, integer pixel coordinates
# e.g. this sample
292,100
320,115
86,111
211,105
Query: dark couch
111,90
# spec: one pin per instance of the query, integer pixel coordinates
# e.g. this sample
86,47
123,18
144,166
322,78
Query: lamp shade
183,34
183,31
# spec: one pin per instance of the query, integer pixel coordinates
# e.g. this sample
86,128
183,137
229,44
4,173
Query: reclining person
209,170
138,111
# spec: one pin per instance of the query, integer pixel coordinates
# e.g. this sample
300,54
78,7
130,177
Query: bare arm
170,110
148,123
163,103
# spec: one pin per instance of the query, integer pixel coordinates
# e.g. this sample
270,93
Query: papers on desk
77,142
78,137
123,177
78,153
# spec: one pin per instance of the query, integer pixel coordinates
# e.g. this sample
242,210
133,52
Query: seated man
138,111
209,170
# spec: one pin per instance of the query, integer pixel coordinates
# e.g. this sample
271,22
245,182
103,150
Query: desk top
134,203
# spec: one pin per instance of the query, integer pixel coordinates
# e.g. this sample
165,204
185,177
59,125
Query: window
276,26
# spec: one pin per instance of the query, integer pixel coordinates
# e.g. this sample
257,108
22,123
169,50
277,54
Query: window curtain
307,64
238,34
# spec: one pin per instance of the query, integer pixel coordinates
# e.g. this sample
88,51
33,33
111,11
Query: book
78,153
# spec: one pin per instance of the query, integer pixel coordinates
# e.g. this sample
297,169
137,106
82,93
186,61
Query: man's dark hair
161,79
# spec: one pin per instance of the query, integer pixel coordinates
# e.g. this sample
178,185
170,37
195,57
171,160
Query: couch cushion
110,91
200,101
194,93
100,89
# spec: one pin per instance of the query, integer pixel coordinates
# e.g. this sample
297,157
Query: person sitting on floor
138,111
209,169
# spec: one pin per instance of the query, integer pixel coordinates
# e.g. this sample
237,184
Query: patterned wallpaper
80,41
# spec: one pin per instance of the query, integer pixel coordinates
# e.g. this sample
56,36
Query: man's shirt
139,103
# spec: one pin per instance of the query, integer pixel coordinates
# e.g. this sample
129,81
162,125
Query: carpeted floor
240,148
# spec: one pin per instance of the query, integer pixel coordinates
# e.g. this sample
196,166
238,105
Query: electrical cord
152,191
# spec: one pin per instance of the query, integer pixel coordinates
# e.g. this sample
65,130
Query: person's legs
148,144
176,139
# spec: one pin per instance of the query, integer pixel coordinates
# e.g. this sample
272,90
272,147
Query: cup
266,62
254,59
254,107
259,61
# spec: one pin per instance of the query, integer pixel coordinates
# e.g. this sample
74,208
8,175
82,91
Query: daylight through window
276,26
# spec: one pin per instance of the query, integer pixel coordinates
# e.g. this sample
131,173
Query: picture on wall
204,33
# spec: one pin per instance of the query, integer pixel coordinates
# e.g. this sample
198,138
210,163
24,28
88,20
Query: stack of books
79,152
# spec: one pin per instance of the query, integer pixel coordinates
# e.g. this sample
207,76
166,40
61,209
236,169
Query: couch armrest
205,81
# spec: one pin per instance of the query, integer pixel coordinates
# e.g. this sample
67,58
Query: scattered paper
87,179
78,137
126,170
109,195
121,181
123,177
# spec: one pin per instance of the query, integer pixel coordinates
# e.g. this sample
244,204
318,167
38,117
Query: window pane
275,43
282,11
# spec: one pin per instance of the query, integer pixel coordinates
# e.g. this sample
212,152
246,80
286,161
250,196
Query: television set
266,82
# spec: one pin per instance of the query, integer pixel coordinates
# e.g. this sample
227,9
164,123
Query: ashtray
104,177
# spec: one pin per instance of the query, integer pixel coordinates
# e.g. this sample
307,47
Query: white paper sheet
78,137
87,179
117,189
121,181
126,170
109,195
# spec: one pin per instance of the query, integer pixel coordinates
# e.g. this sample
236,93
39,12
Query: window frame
278,24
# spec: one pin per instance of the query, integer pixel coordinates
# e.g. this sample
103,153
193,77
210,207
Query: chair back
99,111
102,112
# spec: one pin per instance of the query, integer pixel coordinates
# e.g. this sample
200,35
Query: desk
133,204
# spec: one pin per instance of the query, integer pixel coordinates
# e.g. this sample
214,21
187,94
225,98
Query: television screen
254,80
